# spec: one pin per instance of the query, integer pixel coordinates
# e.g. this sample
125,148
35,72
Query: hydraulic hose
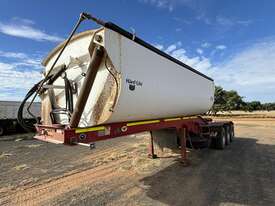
81,18
27,126
37,88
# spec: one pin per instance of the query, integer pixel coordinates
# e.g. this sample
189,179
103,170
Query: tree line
230,100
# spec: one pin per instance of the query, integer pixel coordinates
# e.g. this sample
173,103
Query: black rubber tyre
1,130
227,134
232,133
221,139
213,143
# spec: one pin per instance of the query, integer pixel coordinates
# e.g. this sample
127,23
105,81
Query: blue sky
231,41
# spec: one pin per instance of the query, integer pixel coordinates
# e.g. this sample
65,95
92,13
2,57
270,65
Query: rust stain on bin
45,109
106,100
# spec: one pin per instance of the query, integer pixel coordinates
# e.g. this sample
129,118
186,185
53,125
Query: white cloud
10,77
172,47
159,46
202,17
200,51
22,20
179,54
221,47
251,72
218,50
163,4
13,55
24,28
205,45
202,64
222,21
22,59
18,73
244,22
225,21
184,21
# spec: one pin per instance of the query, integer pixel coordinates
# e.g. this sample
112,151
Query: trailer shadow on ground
244,173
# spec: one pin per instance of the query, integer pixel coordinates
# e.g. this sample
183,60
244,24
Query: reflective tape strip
91,129
172,119
141,123
192,117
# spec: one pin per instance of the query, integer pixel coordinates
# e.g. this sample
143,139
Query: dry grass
255,114
2,155
21,167
33,145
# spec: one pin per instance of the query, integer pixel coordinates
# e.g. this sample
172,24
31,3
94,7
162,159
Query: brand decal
133,84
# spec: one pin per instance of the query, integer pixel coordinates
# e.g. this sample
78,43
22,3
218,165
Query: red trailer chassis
185,126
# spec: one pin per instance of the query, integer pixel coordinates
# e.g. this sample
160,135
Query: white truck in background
8,115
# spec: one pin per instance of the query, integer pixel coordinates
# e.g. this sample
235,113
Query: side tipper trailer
107,82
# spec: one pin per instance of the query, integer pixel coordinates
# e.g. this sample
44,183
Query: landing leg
151,152
182,136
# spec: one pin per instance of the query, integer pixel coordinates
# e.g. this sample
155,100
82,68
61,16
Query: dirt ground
118,172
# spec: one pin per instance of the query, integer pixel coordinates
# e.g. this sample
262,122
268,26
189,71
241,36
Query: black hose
81,18
27,126
36,89
71,103
68,95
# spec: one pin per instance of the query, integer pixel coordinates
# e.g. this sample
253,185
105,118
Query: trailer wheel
213,143
221,139
232,133
227,129
1,130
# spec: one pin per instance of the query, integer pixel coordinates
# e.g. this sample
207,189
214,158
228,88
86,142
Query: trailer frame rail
184,125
